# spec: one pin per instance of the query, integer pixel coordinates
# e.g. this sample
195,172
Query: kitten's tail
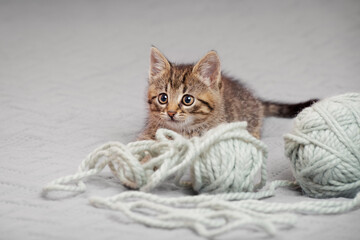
285,110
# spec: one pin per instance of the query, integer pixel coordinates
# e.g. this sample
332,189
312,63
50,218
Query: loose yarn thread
224,164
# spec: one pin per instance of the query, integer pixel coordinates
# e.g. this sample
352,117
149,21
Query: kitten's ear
158,63
208,69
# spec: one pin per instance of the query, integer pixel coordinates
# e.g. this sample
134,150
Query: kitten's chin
174,123
178,124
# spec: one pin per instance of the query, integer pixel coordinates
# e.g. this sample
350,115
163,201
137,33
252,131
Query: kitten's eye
163,98
188,100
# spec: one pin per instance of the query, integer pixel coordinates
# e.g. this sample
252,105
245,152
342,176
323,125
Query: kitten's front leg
147,134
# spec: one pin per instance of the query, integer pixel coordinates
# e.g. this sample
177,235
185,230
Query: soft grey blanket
73,76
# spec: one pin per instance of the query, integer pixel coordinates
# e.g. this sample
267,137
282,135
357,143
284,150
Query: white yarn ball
324,147
231,160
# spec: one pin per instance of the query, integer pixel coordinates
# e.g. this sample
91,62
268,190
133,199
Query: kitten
191,99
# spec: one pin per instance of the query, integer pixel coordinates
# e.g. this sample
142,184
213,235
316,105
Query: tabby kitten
191,99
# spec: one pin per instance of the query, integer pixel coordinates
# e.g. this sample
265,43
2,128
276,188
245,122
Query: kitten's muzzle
171,114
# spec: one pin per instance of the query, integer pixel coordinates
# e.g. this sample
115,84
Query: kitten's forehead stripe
171,77
184,77
184,89
179,76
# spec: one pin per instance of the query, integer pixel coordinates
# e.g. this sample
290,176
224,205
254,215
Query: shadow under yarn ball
324,147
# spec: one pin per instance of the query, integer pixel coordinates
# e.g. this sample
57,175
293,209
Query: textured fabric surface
73,76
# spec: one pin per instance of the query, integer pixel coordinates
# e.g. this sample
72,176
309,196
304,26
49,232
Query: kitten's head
184,96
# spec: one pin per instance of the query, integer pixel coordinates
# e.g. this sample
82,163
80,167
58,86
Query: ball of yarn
324,147
229,159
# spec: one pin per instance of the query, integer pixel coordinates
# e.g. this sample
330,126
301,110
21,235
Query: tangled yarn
324,148
228,167
226,159
227,162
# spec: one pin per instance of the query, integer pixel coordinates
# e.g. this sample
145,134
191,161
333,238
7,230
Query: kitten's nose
171,113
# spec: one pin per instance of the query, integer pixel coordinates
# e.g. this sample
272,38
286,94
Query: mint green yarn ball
324,147
230,160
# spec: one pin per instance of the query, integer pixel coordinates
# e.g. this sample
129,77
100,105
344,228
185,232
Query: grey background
73,76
